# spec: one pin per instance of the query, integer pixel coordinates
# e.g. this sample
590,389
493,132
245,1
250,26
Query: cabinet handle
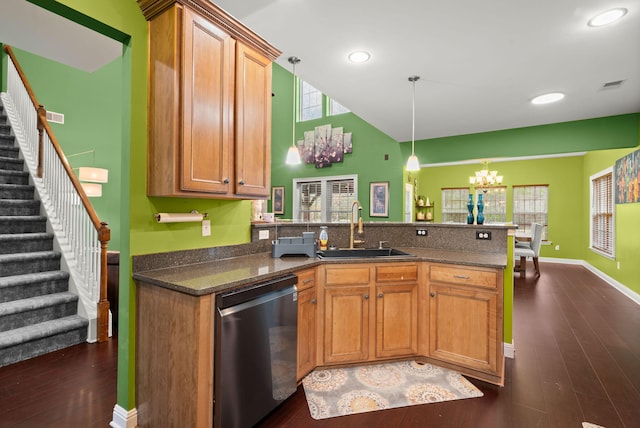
380,295
241,182
432,294
225,181
461,277
313,301
306,281
366,296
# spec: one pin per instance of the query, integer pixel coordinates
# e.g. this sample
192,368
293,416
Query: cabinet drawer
397,273
347,275
464,276
306,279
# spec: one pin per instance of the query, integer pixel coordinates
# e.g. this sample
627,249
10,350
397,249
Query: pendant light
412,163
293,155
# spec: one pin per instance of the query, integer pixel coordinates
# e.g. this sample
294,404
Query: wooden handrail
104,233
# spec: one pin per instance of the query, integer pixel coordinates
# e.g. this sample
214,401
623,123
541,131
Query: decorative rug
344,391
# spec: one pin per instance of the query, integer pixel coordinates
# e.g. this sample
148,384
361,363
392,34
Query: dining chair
524,250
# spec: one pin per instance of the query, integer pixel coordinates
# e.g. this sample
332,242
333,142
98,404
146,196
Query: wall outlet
206,227
421,232
618,265
263,234
483,235
557,247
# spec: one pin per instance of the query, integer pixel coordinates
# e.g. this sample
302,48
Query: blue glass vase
470,208
480,218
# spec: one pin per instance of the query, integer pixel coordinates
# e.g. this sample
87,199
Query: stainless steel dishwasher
255,351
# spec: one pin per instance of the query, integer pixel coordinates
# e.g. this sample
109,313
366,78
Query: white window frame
535,216
334,108
594,212
461,211
304,100
495,204
324,183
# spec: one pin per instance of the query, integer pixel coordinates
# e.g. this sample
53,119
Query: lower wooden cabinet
307,322
465,319
370,311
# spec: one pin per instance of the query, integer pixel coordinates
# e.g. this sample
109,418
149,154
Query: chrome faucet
353,241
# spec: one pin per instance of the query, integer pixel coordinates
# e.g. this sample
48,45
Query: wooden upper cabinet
207,102
253,122
209,129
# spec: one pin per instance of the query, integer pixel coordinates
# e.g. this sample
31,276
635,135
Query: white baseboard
123,418
509,350
611,281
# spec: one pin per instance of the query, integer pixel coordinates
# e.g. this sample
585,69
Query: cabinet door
463,327
307,313
207,102
253,123
346,324
396,320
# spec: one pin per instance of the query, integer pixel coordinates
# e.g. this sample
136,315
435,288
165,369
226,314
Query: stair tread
17,280
36,302
16,186
13,172
22,217
25,236
36,255
40,330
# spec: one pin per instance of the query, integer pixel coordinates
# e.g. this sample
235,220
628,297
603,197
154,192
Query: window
454,205
602,213
495,204
530,205
310,103
335,108
326,199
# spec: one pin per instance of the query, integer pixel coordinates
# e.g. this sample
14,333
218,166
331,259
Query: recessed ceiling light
607,17
551,97
359,56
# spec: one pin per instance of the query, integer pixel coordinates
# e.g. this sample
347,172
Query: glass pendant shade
293,156
412,163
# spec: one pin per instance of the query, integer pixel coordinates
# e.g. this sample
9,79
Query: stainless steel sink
358,253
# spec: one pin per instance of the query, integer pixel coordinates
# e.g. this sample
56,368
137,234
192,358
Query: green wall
612,132
367,160
91,105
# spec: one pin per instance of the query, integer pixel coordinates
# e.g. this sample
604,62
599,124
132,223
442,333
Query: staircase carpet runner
38,313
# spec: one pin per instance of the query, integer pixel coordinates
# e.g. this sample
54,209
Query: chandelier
484,179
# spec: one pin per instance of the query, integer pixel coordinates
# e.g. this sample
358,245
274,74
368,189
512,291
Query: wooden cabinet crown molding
152,8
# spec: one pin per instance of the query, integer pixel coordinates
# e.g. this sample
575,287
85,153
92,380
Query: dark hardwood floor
73,387
577,343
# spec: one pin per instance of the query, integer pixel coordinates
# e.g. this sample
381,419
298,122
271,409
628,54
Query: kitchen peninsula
441,304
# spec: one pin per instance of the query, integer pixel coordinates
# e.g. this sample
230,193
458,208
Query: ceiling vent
614,84
54,117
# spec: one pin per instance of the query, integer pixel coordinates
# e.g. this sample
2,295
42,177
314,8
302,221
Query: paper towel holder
197,216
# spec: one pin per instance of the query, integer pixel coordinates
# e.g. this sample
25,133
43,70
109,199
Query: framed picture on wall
277,200
379,199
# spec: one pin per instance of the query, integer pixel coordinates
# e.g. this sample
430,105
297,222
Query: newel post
104,235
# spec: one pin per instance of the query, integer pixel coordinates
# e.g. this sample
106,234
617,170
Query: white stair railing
80,234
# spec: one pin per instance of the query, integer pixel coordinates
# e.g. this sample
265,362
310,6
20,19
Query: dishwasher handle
242,295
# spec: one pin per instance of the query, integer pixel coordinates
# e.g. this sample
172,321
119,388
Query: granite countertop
216,276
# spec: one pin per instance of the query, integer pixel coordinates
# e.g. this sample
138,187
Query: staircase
37,312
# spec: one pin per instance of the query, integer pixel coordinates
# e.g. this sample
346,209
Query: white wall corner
509,350
123,418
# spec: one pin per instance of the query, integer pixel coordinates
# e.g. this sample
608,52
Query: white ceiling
31,28
480,62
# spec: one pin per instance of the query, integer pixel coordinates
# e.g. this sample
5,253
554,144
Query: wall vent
54,117
614,84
